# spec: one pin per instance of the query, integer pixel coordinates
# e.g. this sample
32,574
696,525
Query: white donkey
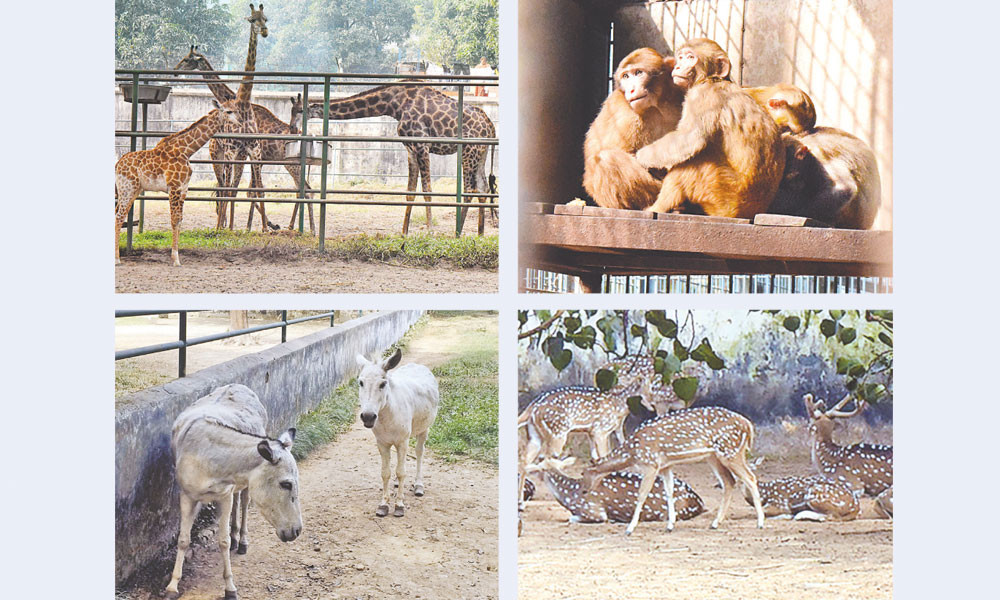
395,406
221,451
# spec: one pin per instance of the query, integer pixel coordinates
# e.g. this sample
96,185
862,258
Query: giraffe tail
492,180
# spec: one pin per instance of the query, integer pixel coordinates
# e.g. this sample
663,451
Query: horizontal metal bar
145,313
328,201
315,191
192,81
313,76
323,138
132,353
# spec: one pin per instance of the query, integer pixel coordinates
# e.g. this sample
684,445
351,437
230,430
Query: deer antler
835,412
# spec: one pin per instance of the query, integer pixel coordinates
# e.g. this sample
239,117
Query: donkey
221,452
396,406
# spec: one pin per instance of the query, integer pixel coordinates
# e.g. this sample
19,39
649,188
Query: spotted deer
637,377
813,498
615,497
865,468
712,434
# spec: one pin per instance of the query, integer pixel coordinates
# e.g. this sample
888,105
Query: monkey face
635,84
686,68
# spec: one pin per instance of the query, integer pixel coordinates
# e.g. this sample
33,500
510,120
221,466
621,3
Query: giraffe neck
378,102
243,95
220,90
196,135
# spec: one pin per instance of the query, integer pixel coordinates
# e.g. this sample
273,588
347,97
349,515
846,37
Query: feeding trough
314,154
148,94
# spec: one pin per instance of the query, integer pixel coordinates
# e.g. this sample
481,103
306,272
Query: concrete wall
838,51
290,379
384,162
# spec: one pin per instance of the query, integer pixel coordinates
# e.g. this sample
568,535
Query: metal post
322,177
182,351
284,326
302,157
132,146
142,201
459,211
333,317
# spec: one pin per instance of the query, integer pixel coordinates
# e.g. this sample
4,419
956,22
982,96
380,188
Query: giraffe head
257,20
194,61
315,109
228,113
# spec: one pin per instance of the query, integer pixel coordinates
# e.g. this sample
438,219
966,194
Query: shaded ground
786,559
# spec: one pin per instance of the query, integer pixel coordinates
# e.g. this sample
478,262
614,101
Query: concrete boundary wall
291,379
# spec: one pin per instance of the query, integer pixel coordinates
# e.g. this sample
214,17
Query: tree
621,334
450,31
154,34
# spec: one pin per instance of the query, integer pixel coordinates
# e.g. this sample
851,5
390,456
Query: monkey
791,108
831,176
645,105
726,156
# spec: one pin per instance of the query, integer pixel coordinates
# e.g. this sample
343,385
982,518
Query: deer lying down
813,498
397,403
615,497
220,450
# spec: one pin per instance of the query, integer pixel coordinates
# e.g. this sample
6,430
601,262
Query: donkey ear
362,361
287,438
393,360
264,448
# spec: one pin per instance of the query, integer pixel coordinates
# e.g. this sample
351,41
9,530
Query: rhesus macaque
791,108
643,107
726,156
830,176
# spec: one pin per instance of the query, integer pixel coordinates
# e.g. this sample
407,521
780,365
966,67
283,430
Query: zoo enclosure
134,78
183,343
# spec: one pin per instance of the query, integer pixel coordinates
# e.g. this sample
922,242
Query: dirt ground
245,271
786,559
445,546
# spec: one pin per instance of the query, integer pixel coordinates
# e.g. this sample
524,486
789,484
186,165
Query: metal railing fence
541,281
183,342
136,77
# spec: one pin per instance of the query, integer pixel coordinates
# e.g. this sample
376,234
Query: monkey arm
672,149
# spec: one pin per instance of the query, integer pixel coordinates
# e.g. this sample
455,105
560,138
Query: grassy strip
467,420
129,378
331,418
415,250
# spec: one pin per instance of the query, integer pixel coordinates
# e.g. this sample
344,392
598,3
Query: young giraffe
266,122
166,168
315,112
425,112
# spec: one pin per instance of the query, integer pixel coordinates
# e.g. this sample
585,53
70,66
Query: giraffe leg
411,183
256,181
221,181
234,182
424,162
127,192
176,214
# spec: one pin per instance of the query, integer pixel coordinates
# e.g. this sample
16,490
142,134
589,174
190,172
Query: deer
864,468
711,434
615,497
813,498
637,377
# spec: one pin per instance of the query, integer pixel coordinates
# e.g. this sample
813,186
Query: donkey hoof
230,595
418,490
398,512
241,549
171,595
382,510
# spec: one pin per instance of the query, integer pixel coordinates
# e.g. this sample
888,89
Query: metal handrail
183,343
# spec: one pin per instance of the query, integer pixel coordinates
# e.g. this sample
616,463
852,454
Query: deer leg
648,473
176,214
241,548
418,480
126,197
411,183
225,512
599,444
742,471
188,508
671,501
384,450
531,451
400,478
725,477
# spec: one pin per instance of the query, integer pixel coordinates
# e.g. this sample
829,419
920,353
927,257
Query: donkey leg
418,480
225,513
234,522
188,508
384,450
400,478
244,504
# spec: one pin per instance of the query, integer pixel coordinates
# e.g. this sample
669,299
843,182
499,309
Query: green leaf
584,338
843,365
704,353
553,345
847,335
661,354
872,392
635,405
522,317
791,323
857,371
827,327
852,384
561,360
837,314
886,338
605,379
667,328
680,351
685,388
637,331
571,324
543,315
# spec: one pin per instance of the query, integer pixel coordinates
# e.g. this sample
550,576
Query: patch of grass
129,378
330,419
423,249
467,420
204,239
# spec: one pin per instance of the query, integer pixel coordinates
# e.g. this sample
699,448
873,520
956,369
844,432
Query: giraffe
426,112
266,122
167,168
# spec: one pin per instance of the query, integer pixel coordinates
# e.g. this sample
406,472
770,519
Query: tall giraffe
425,112
266,122
167,168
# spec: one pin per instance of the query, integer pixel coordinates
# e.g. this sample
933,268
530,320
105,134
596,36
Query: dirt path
787,559
243,272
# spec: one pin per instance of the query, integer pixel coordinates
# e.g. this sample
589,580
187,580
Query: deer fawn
813,498
865,468
615,497
636,377
718,436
